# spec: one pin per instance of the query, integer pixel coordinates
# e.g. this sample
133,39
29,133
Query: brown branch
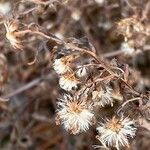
106,66
126,102
112,54
26,86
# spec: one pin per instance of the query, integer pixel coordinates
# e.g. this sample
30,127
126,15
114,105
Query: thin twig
126,102
26,86
82,50
112,54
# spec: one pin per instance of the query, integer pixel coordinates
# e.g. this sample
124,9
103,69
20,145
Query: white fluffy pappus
126,49
63,65
76,116
82,71
5,7
103,97
68,82
12,35
99,1
60,66
116,132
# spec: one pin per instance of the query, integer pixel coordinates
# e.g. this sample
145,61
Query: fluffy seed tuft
115,132
68,82
62,65
76,116
103,97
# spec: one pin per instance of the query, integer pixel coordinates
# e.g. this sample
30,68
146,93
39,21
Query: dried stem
126,102
82,50
26,86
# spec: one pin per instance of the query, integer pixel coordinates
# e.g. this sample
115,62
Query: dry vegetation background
29,85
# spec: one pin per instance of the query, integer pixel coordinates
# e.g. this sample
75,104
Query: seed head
76,116
62,65
115,132
82,71
68,82
130,26
5,7
13,35
103,97
127,49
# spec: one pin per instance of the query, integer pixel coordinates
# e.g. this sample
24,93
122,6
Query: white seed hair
12,35
82,71
60,67
111,138
99,1
126,49
68,83
5,7
76,116
104,97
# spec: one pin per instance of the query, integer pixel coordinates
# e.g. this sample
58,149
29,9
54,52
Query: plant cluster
96,91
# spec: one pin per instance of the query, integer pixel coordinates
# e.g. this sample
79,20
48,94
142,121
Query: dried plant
88,90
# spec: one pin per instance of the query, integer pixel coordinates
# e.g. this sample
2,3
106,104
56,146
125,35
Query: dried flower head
68,82
130,26
75,115
103,97
82,71
99,1
12,34
62,65
76,15
127,49
5,7
115,132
